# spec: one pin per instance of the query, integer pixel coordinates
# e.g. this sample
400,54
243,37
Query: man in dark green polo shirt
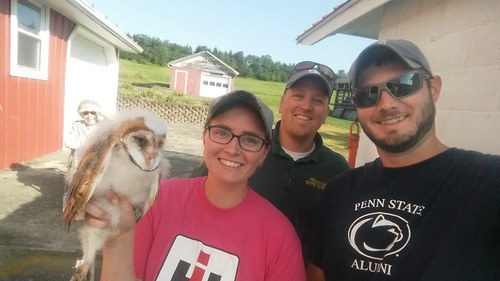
296,170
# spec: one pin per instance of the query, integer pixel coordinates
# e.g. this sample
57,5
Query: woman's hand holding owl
97,217
119,264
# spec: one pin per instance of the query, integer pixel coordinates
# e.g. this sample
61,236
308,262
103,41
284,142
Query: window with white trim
29,52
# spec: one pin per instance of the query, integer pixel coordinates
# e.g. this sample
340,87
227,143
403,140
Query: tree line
161,52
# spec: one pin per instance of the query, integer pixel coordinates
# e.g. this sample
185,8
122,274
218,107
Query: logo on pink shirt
191,260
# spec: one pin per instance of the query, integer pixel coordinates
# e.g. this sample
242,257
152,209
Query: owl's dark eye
141,140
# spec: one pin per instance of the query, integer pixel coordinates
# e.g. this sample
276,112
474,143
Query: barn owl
123,155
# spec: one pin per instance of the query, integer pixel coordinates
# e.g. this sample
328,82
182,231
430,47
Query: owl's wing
87,176
153,193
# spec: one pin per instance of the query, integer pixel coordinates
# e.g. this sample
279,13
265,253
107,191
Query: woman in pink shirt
213,227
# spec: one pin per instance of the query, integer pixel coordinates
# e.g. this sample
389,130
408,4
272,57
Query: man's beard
402,143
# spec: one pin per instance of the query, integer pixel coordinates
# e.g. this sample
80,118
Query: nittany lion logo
377,235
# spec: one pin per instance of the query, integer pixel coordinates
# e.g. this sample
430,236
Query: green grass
149,81
335,132
269,92
133,72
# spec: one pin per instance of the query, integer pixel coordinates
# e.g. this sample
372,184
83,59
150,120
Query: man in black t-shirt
421,211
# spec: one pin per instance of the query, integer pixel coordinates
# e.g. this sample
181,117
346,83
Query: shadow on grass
151,85
338,142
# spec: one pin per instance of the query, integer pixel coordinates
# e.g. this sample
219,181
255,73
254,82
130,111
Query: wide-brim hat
88,105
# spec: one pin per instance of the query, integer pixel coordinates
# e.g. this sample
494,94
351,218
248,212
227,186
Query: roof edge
201,53
104,23
336,21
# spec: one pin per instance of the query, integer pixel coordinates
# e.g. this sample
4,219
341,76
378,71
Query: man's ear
327,112
281,103
435,87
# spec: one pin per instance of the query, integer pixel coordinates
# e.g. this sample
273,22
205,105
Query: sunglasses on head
398,87
85,113
323,69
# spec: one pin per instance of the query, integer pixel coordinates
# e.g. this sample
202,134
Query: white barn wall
461,41
91,73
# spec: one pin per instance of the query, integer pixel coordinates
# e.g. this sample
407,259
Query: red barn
53,54
201,74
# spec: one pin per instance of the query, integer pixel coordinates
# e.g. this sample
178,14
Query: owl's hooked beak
149,157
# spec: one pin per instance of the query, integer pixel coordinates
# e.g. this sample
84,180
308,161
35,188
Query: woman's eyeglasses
85,113
323,69
398,87
247,142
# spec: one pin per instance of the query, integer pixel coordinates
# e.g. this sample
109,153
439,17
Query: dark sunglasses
323,69
85,113
398,87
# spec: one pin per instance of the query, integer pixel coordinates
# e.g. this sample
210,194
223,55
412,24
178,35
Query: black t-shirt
436,220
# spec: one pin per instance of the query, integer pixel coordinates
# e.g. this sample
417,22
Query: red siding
31,111
193,80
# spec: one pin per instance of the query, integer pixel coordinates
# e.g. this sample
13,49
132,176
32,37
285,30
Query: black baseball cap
243,99
407,51
319,71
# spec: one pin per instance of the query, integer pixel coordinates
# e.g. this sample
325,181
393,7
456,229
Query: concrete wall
171,112
461,39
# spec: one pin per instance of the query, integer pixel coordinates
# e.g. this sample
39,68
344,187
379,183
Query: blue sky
256,27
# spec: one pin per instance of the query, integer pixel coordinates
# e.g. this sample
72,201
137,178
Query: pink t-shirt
185,237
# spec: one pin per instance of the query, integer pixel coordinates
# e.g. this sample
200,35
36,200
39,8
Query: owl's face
144,147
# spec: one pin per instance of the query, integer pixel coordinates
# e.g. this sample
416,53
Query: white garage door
91,73
214,85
